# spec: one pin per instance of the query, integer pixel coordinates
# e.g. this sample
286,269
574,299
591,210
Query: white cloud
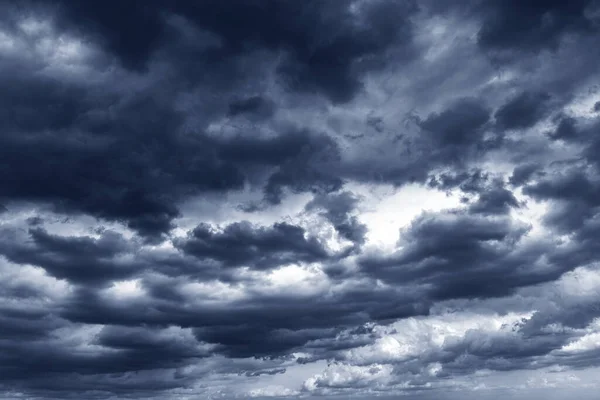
350,376
413,337
272,391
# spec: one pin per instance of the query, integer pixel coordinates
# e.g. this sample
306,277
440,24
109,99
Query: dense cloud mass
299,199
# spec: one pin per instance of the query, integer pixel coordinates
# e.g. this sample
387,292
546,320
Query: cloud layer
299,199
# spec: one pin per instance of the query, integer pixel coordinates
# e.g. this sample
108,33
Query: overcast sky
317,199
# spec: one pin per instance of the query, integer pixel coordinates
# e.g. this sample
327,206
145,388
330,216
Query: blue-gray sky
299,199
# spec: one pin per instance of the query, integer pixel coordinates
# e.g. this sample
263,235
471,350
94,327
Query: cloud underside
287,199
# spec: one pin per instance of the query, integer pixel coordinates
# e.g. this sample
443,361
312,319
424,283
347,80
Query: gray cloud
349,198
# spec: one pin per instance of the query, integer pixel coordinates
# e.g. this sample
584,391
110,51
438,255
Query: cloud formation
281,199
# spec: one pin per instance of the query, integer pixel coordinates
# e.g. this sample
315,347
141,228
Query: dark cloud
123,351
485,259
337,209
458,125
32,104
26,324
329,57
531,25
575,198
495,200
266,372
137,170
134,164
80,259
468,182
262,311
492,195
488,352
149,348
522,174
241,244
523,110
309,171
257,326
112,27
256,341
566,129
301,159
195,196
110,174
445,143
251,105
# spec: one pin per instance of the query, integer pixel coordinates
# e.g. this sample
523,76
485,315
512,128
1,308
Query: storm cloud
299,199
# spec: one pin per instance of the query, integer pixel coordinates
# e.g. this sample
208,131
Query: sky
317,199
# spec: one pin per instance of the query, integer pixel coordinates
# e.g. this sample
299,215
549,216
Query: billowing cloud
296,199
